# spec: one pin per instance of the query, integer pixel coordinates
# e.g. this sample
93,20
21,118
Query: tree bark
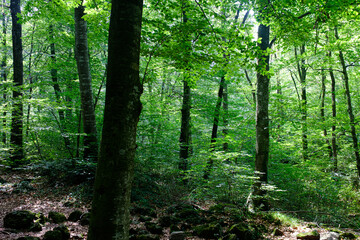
87,103
350,109
303,105
333,127
262,121
16,138
110,217
322,110
185,134
4,68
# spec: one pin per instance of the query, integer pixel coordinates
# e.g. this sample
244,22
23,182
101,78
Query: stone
167,221
75,216
208,231
277,232
57,217
330,236
85,219
313,235
59,233
178,235
19,220
145,218
28,238
347,235
36,227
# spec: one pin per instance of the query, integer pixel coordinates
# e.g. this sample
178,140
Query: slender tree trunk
57,90
333,128
87,103
215,126
110,217
322,110
262,122
4,68
185,134
350,109
225,116
30,80
303,106
16,139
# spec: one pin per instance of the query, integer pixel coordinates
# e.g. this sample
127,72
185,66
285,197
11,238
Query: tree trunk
16,138
57,90
185,134
262,121
322,110
87,103
225,116
215,126
303,106
4,68
350,109
333,128
110,218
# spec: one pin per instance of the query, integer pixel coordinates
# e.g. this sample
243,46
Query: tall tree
16,138
185,133
110,217
87,103
350,107
4,65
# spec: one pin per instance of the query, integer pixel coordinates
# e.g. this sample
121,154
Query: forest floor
46,197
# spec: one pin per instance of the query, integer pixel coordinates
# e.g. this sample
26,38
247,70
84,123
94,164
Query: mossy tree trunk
110,218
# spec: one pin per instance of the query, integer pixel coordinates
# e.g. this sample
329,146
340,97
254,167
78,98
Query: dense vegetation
200,63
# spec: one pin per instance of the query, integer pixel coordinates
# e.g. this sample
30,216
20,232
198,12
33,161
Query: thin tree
16,138
349,105
4,66
87,102
110,217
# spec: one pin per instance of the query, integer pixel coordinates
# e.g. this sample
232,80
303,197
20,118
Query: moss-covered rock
59,233
56,217
244,231
178,235
40,218
36,227
313,235
145,218
167,221
208,231
347,235
19,220
85,219
144,211
75,216
189,215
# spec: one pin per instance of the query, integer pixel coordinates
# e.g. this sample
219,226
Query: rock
75,216
36,227
144,218
28,238
57,217
23,187
40,218
330,236
347,235
189,215
178,235
153,228
19,220
208,231
144,211
85,219
242,231
59,233
277,232
314,235
167,221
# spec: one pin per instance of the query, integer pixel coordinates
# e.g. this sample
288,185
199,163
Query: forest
179,119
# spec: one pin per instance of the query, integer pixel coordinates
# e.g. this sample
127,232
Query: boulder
313,235
178,235
85,219
19,220
75,216
167,221
243,231
330,236
208,231
57,217
153,228
59,233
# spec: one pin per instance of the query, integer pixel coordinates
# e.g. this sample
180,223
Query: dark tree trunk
303,106
57,90
185,134
262,121
4,68
16,139
215,126
333,128
322,110
350,109
87,103
110,208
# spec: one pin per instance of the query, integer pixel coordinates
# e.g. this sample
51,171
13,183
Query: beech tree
110,217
